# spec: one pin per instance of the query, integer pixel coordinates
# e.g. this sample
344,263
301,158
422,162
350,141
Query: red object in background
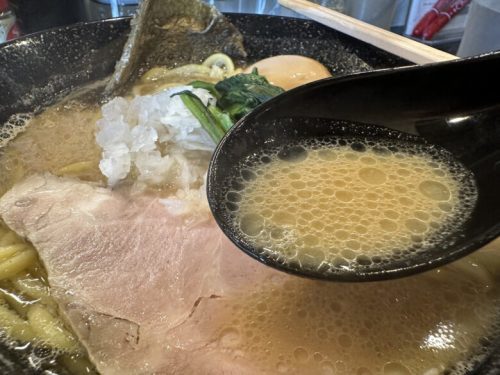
435,19
430,16
444,18
8,26
4,5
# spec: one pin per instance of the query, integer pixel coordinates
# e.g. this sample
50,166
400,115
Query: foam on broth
425,324
60,136
323,205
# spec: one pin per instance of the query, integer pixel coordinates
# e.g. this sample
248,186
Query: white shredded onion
155,134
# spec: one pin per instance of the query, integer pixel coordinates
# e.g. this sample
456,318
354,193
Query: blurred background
19,17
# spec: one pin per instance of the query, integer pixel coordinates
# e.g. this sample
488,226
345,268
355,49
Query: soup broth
417,325
426,324
59,140
324,204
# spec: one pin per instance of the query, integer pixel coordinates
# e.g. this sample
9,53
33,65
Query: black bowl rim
74,25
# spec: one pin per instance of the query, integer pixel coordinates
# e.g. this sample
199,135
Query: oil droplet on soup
325,203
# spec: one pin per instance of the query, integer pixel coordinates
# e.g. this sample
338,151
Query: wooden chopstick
408,49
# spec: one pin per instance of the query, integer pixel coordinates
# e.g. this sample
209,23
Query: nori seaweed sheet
170,33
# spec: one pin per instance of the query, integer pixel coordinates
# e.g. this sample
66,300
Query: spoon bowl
454,105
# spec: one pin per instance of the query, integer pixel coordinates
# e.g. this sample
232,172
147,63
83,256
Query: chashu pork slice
142,289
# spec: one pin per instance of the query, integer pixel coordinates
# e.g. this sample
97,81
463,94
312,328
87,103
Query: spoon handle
408,49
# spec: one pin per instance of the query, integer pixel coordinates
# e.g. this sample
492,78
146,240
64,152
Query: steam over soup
325,204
